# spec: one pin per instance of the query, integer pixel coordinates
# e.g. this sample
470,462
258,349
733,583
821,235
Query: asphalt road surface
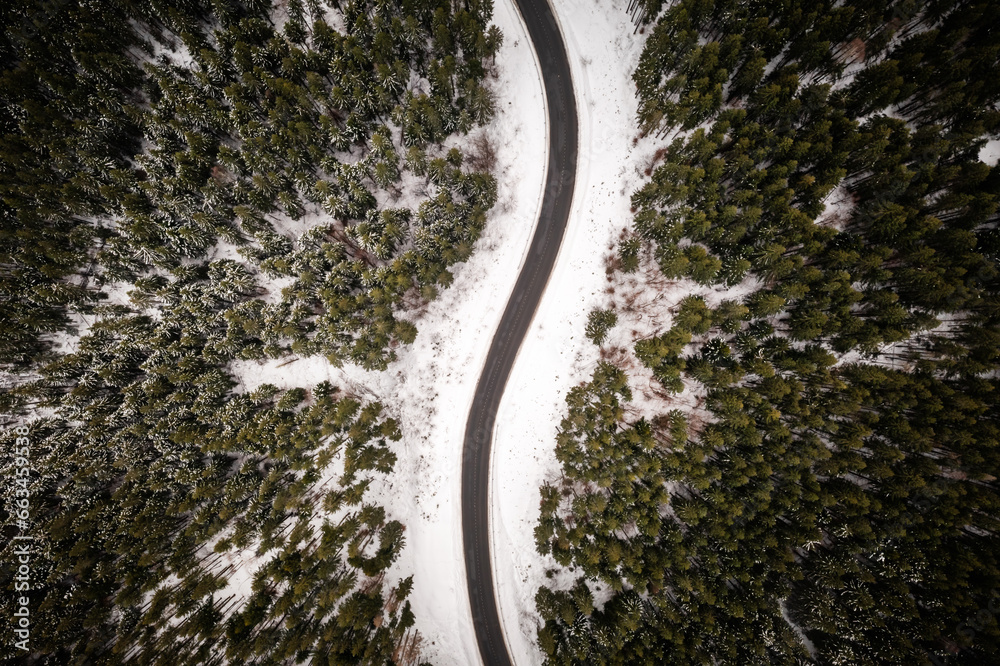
556,199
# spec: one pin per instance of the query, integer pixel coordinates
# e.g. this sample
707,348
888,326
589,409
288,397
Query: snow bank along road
556,199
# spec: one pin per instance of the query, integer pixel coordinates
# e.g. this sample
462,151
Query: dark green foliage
599,322
138,143
854,498
113,163
150,457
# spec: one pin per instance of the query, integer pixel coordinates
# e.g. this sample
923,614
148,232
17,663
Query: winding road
556,199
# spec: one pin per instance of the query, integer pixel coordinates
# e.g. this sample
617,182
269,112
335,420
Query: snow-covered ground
429,388
556,355
990,153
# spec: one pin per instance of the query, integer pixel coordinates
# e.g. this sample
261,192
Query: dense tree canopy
131,146
190,185
837,503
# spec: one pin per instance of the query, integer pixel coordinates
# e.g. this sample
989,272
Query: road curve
556,199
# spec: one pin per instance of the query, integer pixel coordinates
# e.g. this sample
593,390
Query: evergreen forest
190,184
834,499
